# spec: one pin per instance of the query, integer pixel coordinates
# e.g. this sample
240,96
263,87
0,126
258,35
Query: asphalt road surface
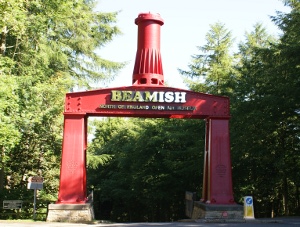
276,222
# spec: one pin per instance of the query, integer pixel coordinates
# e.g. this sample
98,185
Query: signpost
248,207
35,183
12,204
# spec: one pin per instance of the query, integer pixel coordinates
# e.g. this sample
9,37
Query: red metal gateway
147,98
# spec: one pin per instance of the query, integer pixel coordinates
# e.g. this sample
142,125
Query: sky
186,23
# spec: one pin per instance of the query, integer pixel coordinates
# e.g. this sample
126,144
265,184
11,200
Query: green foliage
9,135
46,48
153,163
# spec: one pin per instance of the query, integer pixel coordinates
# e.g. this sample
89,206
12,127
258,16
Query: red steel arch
152,102
147,98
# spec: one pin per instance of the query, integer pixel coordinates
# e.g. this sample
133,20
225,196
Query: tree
251,120
210,70
9,134
60,36
46,48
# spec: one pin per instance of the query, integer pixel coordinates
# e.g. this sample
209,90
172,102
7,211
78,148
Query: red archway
151,102
147,98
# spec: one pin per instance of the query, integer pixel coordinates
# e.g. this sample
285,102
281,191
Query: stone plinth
76,213
213,211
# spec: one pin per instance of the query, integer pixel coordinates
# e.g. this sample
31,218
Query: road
276,222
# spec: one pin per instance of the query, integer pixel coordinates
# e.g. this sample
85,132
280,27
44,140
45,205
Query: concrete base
220,212
75,213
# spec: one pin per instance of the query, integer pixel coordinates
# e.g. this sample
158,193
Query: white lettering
148,96
169,96
180,97
161,96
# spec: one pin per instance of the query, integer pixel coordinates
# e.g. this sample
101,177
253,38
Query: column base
217,211
74,213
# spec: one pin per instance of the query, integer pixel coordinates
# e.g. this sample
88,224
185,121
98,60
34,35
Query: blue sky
186,23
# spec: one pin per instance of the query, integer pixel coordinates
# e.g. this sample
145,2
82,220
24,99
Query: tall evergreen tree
46,48
210,70
288,84
253,118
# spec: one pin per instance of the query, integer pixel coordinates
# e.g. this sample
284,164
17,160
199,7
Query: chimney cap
149,16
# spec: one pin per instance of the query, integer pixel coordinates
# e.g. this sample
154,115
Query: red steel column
205,166
148,65
219,182
72,188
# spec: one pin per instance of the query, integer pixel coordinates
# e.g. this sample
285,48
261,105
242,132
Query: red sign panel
146,102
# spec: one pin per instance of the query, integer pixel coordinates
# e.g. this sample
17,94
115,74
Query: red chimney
148,66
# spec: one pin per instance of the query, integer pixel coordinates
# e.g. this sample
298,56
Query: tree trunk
297,197
2,170
3,40
285,197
